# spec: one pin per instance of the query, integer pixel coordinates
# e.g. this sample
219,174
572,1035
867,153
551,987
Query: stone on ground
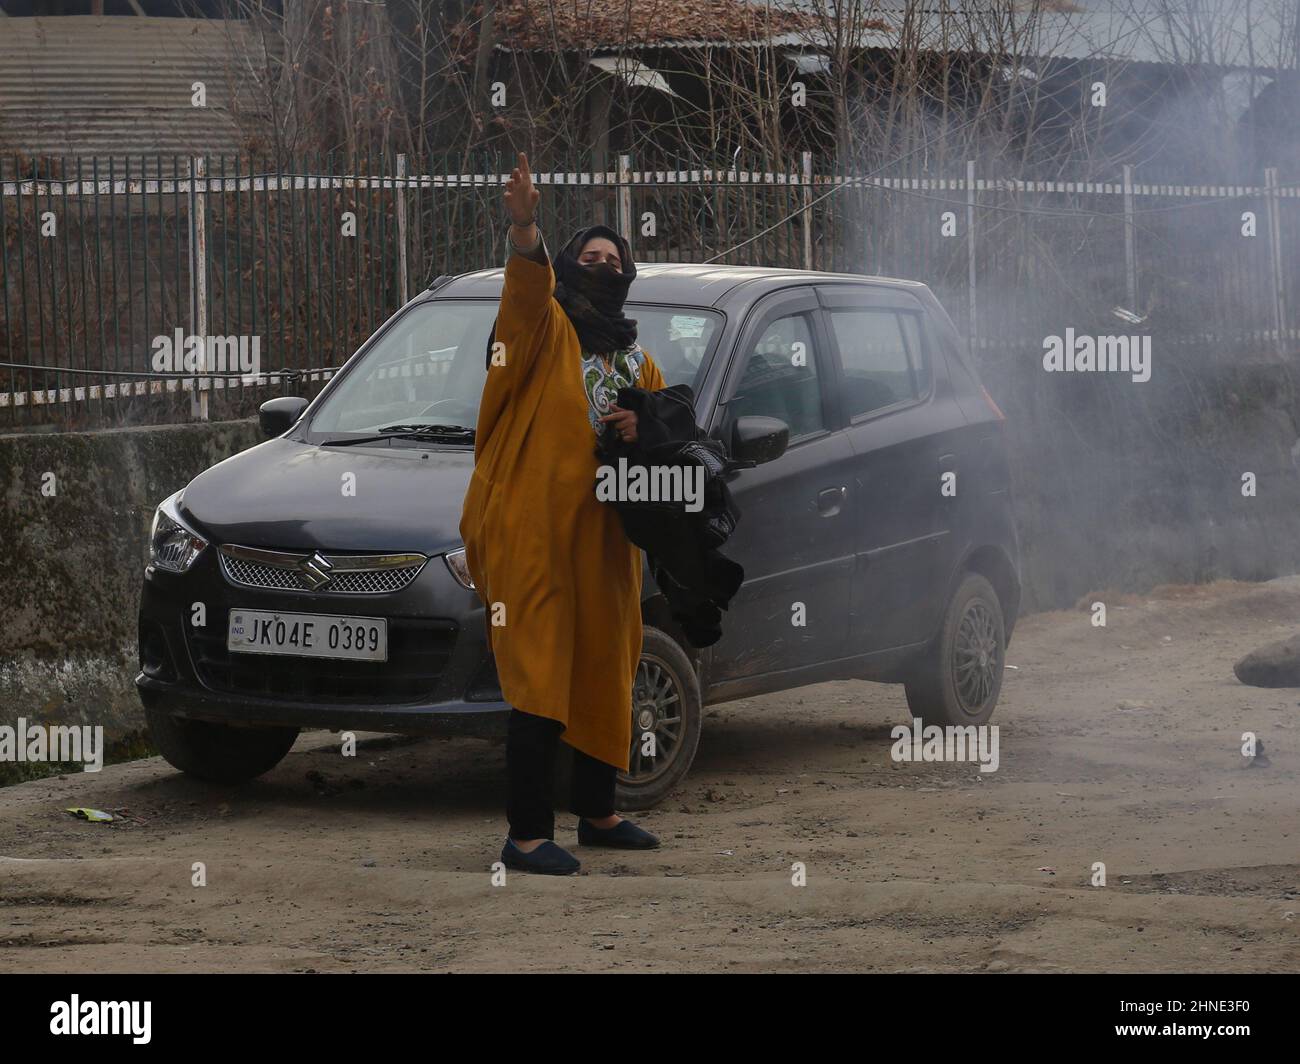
1275,665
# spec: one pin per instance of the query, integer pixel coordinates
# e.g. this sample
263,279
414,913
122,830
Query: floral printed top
602,381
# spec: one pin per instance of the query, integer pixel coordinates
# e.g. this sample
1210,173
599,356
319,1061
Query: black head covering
592,296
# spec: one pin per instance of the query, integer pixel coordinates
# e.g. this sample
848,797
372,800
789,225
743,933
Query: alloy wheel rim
656,709
976,657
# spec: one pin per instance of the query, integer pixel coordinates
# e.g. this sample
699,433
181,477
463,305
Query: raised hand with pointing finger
521,199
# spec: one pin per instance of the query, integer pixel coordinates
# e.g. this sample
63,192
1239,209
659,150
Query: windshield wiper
456,433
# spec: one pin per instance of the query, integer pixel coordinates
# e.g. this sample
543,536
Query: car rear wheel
217,753
958,679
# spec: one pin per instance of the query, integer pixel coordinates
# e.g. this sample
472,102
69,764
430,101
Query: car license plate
308,635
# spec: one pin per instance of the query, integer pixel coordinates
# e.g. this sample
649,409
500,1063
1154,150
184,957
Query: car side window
880,353
780,377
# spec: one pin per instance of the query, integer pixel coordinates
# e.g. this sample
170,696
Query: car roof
687,283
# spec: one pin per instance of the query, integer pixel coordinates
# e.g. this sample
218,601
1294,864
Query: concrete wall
72,550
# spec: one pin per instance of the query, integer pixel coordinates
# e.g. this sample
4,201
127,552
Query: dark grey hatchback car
318,580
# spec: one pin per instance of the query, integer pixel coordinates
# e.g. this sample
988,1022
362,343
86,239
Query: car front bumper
439,674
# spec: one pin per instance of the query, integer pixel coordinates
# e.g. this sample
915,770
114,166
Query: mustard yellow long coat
549,560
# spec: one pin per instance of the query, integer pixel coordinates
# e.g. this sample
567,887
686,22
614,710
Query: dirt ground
1118,744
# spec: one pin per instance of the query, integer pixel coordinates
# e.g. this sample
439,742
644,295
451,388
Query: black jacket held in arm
681,544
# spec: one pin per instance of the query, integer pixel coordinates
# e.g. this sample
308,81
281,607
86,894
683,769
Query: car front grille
418,653
319,574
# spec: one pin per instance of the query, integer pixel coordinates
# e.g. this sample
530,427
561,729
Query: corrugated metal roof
1222,33
1219,33
110,87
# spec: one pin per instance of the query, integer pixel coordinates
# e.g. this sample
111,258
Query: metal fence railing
105,267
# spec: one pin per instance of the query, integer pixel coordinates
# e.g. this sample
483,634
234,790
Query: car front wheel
958,679
217,753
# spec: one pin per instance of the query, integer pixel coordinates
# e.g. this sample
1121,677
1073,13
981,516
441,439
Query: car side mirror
277,416
755,440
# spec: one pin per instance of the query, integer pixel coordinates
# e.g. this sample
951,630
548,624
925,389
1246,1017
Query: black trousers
531,746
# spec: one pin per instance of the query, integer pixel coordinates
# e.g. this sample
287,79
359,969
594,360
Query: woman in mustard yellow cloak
560,581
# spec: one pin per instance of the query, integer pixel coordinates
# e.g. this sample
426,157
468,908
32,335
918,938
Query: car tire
667,688
217,753
663,663
958,679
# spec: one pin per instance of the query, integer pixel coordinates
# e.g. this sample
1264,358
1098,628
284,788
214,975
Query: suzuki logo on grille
317,571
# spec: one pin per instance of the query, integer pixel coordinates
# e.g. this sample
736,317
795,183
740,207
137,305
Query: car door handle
829,499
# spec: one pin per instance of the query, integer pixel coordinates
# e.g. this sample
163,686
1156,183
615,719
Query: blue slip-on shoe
622,836
548,859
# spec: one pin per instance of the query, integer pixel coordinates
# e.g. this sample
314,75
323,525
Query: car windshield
429,366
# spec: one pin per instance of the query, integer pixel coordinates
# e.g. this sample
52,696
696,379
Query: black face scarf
592,296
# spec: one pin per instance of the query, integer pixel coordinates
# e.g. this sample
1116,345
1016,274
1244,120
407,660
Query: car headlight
459,569
173,545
